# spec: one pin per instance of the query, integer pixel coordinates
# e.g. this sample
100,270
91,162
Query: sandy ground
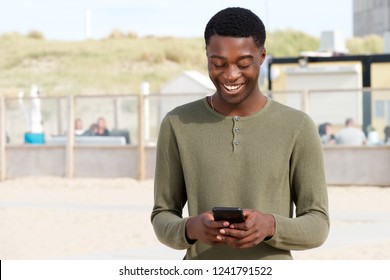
57,218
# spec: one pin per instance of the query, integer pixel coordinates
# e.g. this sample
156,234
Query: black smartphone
233,215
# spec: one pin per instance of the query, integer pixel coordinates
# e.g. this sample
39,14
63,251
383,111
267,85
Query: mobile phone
233,215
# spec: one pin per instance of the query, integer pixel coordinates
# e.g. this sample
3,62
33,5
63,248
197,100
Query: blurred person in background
91,131
326,136
387,135
351,135
101,127
78,127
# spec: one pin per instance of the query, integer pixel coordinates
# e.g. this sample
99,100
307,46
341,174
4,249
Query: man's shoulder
287,112
188,108
191,112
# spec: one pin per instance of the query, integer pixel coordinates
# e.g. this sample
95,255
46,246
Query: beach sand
91,218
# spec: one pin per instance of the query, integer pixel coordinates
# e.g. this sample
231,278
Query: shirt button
236,142
236,129
237,118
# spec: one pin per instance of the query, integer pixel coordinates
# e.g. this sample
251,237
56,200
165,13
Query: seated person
101,128
91,131
78,127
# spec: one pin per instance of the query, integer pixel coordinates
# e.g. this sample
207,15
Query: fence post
116,112
59,116
141,137
70,139
305,101
145,89
3,140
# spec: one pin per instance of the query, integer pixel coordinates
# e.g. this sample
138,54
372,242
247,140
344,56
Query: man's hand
204,228
255,229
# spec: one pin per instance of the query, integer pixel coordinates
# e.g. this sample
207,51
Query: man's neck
247,107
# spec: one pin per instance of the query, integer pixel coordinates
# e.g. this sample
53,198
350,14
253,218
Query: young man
239,148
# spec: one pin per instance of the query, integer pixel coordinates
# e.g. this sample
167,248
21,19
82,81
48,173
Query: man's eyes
241,64
218,63
245,63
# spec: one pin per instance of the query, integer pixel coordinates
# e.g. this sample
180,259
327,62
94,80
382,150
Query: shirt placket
236,133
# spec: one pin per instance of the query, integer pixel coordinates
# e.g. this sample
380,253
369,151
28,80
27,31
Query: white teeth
232,87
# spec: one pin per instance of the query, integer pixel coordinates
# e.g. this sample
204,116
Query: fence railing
140,116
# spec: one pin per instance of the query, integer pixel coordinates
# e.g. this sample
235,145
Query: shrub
116,34
34,34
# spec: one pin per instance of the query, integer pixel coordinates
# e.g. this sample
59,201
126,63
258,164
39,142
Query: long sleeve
310,227
169,192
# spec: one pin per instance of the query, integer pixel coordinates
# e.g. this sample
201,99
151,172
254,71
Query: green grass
95,67
119,66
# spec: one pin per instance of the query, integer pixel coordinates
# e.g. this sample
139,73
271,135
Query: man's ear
263,55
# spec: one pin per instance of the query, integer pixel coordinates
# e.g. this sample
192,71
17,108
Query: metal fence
140,115
335,106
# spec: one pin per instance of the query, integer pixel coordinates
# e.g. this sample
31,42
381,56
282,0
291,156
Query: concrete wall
363,165
105,161
38,160
344,165
89,161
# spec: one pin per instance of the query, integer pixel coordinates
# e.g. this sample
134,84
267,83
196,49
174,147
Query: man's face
234,67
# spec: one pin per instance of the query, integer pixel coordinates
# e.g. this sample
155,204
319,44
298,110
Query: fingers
247,212
239,243
247,234
211,229
236,233
239,238
242,235
217,224
211,223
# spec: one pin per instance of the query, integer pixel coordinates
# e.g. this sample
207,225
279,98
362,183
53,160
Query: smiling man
239,148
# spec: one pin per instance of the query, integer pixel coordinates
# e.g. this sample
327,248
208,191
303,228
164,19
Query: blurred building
186,87
371,17
338,86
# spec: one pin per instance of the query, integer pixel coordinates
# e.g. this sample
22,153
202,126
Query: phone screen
230,214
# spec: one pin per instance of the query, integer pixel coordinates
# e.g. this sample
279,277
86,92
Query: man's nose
232,73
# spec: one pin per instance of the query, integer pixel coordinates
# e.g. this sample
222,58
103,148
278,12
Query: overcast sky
65,19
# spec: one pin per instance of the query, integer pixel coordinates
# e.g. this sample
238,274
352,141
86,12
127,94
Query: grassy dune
120,65
95,67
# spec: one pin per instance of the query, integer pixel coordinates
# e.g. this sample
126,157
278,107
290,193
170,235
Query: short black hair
348,121
236,22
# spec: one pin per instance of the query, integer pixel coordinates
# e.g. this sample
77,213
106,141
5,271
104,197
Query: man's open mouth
232,87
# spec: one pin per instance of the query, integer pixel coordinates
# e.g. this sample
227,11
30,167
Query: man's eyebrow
240,58
245,56
217,56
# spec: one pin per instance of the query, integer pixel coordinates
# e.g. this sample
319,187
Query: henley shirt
270,161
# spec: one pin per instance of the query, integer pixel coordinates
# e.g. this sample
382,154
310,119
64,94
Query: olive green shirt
270,161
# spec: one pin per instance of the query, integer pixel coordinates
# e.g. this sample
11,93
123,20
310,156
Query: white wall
334,106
